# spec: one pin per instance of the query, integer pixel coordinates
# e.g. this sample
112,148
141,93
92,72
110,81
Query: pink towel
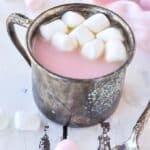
145,4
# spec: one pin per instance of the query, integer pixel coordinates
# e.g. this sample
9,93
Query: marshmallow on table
47,30
115,51
82,34
27,121
72,19
66,144
111,33
93,49
97,22
4,120
64,42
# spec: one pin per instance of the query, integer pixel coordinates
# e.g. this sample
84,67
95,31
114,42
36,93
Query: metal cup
76,102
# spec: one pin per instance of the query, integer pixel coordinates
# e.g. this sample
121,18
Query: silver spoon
131,143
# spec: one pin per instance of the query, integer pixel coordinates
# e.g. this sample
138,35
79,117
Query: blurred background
15,77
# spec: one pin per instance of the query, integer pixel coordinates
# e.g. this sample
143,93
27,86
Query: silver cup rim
84,5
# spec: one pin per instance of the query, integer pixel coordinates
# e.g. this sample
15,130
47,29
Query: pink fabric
143,3
137,14
103,2
35,5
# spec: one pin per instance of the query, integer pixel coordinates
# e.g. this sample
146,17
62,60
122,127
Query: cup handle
23,21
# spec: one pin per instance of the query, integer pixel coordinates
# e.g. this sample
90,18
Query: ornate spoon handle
141,121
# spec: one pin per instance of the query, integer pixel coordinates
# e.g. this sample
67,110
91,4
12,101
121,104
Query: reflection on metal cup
76,102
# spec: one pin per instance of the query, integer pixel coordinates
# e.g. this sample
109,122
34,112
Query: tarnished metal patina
77,102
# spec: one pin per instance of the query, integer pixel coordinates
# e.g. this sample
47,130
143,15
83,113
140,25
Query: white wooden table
16,94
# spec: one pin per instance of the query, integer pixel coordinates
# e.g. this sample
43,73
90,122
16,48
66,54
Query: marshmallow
110,34
66,144
93,49
82,34
64,42
4,120
97,23
115,51
27,121
48,30
72,19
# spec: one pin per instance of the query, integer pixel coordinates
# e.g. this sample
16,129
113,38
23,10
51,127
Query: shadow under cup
75,102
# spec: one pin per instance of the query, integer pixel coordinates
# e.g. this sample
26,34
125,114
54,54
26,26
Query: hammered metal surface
103,94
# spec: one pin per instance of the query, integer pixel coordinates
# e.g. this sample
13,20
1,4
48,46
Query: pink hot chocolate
69,64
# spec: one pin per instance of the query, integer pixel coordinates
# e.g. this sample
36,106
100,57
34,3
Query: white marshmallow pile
27,121
72,19
94,36
97,23
50,29
82,34
111,33
115,50
93,49
64,42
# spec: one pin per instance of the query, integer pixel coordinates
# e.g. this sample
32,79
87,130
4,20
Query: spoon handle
142,121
